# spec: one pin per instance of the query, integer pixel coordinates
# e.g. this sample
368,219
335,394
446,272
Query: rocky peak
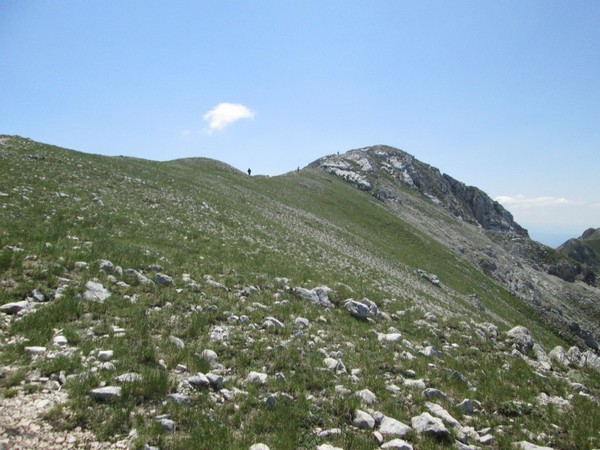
384,171
584,249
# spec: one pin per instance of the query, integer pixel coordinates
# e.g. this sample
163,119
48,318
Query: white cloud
523,202
225,113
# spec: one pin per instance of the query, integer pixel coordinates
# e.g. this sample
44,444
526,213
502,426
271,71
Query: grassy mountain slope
262,239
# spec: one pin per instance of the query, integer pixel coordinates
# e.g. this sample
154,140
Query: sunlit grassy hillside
62,212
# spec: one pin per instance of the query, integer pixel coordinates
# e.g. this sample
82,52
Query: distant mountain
584,249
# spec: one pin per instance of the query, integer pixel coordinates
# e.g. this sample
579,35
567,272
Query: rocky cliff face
382,169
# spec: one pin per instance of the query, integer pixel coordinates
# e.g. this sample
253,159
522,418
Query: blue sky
500,95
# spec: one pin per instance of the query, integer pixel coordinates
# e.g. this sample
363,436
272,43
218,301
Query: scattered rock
431,393
397,444
524,445
328,447
199,380
521,339
559,355
163,279
106,393
428,425
95,292
179,398
257,377
432,352
177,342
167,424
467,406
367,397
60,341
106,266
301,322
393,428
35,350
259,447
363,420
130,377
210,356
433,279
318,295
15,307
105,355
440,412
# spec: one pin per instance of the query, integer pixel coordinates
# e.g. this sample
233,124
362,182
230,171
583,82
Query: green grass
201,217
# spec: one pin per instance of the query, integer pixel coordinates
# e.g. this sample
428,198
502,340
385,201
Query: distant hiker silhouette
249,172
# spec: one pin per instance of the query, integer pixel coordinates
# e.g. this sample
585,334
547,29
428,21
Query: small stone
367,397
167,424
301,322
177,342
216,381
342,390
397,444
179,398
521,339
38,296
15,307
271,401
210,356
357,309
273,322
60,341
328,447
257,377
467,406
163,279
524,445
432,393
416,384
95,292
199,380
428,425
389,337
107,365
393,428
432,352
105,355
329,432
486,439
259,447
106,266
35,350
130,377
106,393
363,420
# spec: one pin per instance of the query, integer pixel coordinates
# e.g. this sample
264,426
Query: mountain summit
384,170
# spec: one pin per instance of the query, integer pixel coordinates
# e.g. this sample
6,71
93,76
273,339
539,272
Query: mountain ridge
173,303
